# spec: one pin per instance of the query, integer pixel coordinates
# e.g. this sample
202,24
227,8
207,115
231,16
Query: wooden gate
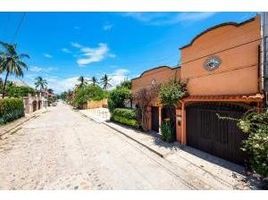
207,132
155,118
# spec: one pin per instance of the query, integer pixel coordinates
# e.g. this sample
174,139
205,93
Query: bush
256,125
86,93
256,145
118,97
125,116
19,91
171,92
166,132
11,109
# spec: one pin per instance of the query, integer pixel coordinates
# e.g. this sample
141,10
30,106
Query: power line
18,27
216,52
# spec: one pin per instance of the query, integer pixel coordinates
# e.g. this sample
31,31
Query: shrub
118,97
256,125
143,99
166,132
11,109
125,116
86,93
171,92
19,91
256,145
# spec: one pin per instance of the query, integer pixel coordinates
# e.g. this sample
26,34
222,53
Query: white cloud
76,45
37,69
118,76
169,18
91,55
107,27
47,55
60,85
65,50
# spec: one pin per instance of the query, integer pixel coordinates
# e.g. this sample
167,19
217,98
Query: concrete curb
126,135
35,115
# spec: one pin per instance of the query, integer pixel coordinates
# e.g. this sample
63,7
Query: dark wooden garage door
155,118
207,132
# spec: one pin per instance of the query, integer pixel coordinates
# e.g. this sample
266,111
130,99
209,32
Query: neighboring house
33,103
222,69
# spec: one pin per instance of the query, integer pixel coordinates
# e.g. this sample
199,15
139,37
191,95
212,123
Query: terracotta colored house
221,67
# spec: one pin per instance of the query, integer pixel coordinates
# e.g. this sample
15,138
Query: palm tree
11,62
50,91
105,81
40,83
94,80
82,81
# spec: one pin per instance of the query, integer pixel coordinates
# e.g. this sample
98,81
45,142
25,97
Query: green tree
126,84
19,91
40,83
171,92
86,93
82,81
11,62
50,91
118,97
94,80
105,81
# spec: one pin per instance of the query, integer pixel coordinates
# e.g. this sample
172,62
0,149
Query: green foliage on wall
11,109
19,91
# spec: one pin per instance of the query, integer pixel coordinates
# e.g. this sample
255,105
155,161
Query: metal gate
207,132
155,118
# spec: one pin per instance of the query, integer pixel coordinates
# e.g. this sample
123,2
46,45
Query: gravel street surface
62,149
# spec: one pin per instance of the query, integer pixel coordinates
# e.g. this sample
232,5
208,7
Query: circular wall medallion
153,82
212,63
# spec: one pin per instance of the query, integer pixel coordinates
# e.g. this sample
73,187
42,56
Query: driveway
61,149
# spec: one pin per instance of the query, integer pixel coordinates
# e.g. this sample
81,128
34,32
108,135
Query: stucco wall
238,72
160,75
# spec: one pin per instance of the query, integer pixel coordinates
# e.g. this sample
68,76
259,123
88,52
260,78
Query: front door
155,118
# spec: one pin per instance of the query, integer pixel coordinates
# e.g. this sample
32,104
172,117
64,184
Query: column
183,124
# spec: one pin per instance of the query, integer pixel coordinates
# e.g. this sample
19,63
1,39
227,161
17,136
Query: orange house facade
221,67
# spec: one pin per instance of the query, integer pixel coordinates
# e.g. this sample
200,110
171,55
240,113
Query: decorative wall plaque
212,63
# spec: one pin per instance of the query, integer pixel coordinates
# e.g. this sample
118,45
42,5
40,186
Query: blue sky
64,46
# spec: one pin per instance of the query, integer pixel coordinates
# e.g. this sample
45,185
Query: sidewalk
97,114
214,171
11,126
